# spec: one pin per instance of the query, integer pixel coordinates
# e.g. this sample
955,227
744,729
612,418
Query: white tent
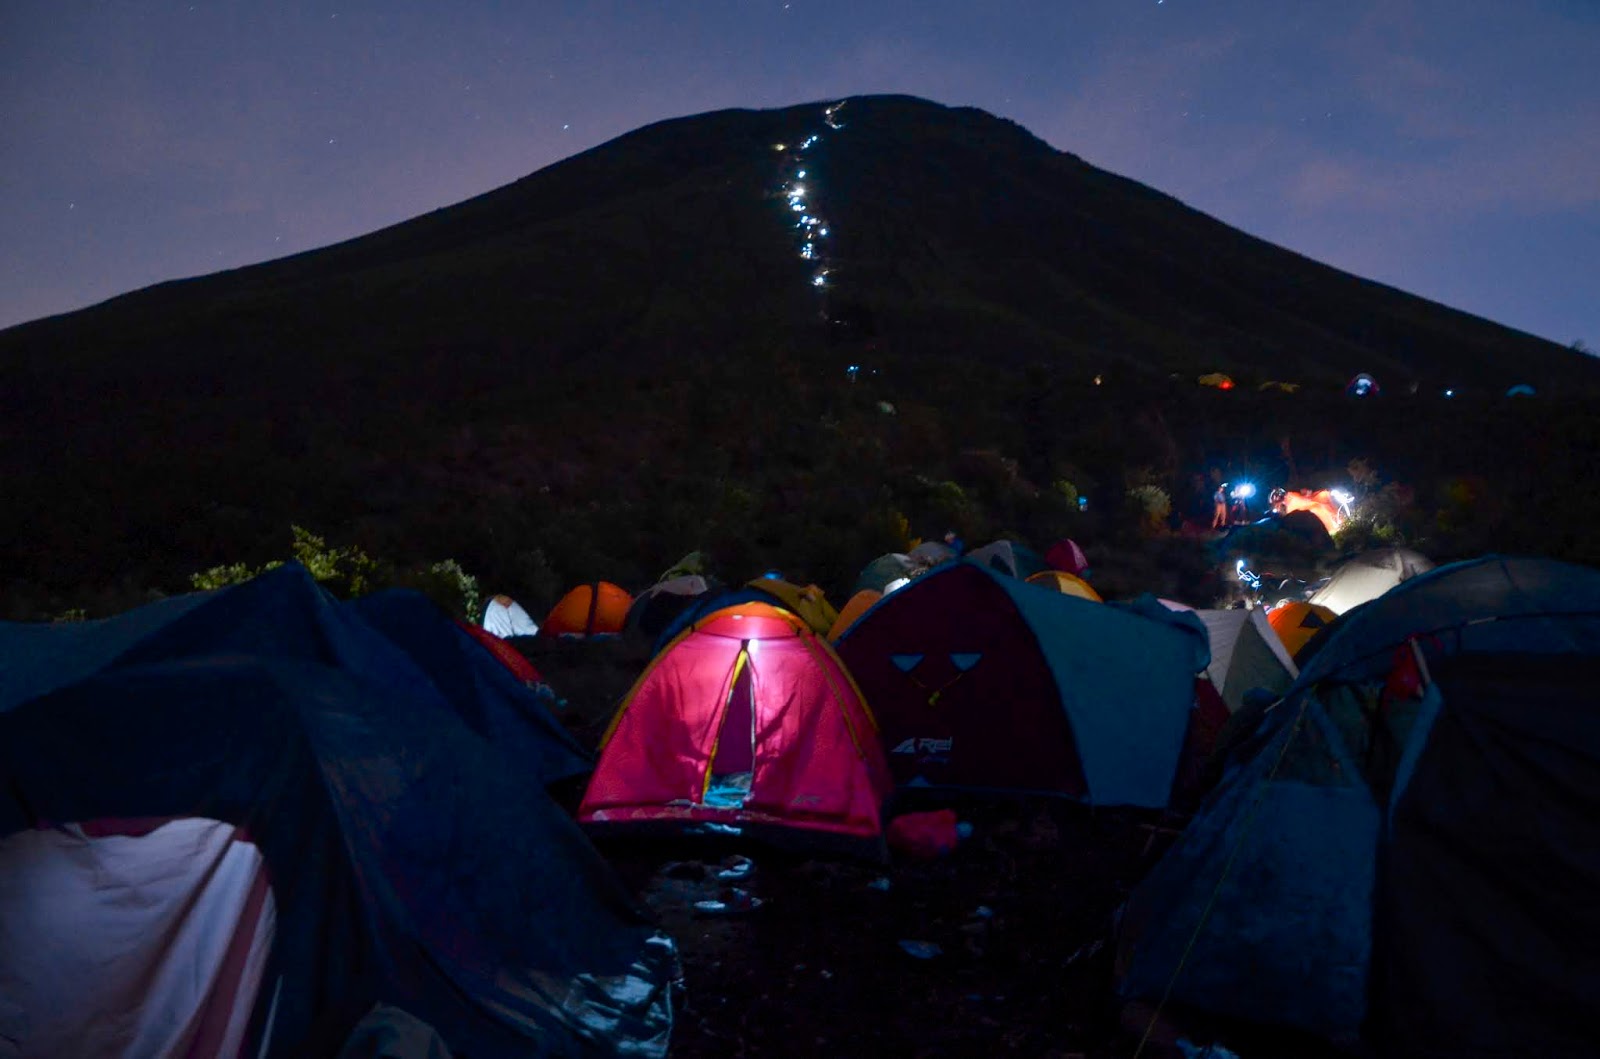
1368,576
1245,654
505,617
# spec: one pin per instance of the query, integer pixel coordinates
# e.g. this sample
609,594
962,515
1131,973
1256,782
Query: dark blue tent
406,859
1412,849
481,690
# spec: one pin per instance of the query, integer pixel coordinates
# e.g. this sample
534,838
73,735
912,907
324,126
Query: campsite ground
1022,914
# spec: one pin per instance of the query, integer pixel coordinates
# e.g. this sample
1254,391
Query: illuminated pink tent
747,720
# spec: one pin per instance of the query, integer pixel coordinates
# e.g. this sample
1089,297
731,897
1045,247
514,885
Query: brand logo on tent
924,745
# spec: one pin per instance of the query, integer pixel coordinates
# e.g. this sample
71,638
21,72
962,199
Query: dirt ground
1011,940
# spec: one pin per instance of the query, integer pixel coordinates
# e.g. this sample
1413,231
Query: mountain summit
950,232
609,304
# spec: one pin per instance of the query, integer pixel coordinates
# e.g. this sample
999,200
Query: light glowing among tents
1368,576
747,721
1217,380
596,609
1322,503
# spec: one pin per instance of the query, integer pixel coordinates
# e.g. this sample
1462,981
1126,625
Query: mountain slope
644,304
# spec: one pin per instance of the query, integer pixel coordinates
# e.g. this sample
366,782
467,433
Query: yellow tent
806,601
1066,583
853,609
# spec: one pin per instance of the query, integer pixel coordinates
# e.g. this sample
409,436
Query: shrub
1151,504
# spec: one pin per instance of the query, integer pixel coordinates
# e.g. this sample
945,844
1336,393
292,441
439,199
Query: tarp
409,861
1405,856
484,692
979,680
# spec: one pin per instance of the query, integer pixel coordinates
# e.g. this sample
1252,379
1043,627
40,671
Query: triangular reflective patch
919,782
966,660
906,663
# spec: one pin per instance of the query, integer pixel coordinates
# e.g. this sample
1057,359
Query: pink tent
746,720
1066,556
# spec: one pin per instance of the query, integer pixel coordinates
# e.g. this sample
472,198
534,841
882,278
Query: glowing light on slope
810,227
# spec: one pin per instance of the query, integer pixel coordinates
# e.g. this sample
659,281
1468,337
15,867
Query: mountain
644,308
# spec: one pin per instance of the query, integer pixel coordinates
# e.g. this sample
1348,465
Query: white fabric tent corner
504,617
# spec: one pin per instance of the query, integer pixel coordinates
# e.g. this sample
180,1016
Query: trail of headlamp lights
799,192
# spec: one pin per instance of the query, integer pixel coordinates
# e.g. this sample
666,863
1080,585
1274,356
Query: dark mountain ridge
480,379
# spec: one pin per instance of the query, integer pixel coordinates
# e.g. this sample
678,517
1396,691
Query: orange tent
1320,503
589,610
1296,623
1066,583
854,607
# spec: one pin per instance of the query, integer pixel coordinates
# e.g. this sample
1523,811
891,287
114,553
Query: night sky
1451,149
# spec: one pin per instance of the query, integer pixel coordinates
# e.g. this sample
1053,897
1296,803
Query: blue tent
981,681
1412,848
482,691
401,855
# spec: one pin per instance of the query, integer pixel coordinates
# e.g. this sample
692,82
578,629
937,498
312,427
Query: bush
349,572
1152,505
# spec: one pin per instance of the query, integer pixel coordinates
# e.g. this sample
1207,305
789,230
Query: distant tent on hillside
504,617
854,607
1066,556
1217,380
1362,385
1409,850
1062,581
233,822
1368,576
932,553
657,606
886,568
747,721
1009,557
982,681
595,609
1522,389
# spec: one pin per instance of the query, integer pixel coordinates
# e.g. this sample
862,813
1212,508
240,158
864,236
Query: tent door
734,758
